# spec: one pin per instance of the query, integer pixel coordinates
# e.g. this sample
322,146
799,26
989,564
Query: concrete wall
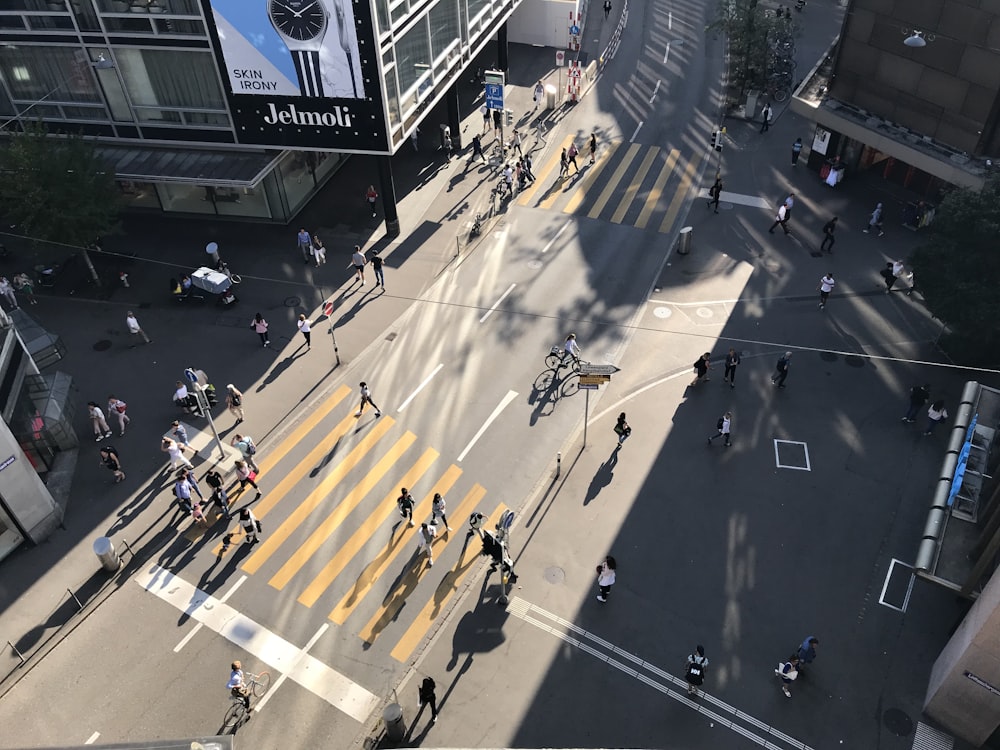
542,22
25,495
963,694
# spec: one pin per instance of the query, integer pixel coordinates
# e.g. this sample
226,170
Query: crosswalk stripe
404,647
654,195
390,551
682,191
525,197
274,494
588,182
612,185
344,508
369,525
634,185
396,598
280,535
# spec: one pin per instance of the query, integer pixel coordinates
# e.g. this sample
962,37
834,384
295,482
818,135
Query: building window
170,78
60,74
443,20
413,56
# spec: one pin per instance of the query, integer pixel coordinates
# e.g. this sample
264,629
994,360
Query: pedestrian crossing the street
333,536
627,184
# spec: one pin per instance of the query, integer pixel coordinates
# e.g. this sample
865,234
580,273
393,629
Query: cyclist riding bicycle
237,685
570,349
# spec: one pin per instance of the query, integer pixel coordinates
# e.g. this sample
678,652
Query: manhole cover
662,312
102,346
828,356
292,301
897,722
533,264
704,312
555,575
853,361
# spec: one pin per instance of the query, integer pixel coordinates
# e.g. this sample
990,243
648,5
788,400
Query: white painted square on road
791,454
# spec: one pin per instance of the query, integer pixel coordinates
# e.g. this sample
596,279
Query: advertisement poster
303,48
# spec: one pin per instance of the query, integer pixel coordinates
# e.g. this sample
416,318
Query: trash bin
104,548
212,248
392,717
684,241
550,96
753,99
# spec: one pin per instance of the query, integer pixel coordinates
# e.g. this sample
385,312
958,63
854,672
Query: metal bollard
392,717
684,241
106,553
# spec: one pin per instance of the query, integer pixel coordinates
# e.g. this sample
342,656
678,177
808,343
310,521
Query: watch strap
308,71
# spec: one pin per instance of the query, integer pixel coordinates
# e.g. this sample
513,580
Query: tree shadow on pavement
142,500
278,369
603,477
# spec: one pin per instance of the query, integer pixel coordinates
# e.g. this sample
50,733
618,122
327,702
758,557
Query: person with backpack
219,496
781,370
246,476
405,503
788,672
251,526
110,460
426,695
117,407
694,673
234,402
622,429
723,427
245,445
701,367
606,578
936,414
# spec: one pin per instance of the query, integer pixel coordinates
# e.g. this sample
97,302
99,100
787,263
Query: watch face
300,20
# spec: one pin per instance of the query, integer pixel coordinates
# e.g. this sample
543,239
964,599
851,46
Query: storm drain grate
929,738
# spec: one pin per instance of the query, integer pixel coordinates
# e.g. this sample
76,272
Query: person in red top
371,196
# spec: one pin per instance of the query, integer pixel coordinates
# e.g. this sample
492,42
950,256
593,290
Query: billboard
295,73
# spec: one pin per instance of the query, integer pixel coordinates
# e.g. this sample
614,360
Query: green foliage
958,268
749,29
55,188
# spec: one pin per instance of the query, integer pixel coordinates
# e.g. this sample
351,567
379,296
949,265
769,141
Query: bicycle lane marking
511,395
280,655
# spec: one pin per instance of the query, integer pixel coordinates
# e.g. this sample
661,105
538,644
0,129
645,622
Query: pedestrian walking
781,370
358,260
405,503
622,429
110,461
135,329
318,251
919,395
607,9
508,179
875,221
732,362
563,164
606,578
515,143
486,118
220,497
828,229
101,429
789,205
807,651
714,193
723,428
303,241
246,475
23,283
782,219
701,367
117,407
247,448
7,290
498,125
366,398
234,401
477,149
415,139
175,451
305,327
180,433
888,277
438,510
796,150
425,539
899,271
788,671
371,196
259,325
538,96
425,695
694,672
826,285
376,262
251,526
184,485
593,147
527,167
765,116
571,154
936,414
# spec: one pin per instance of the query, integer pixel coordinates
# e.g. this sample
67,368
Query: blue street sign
494,95
191,375
574,30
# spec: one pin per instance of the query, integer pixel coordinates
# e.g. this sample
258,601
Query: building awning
191,166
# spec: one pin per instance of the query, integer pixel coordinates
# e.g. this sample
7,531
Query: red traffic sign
328,309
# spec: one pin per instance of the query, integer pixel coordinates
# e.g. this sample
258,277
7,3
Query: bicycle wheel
235,716
235,278
781,95
552,361
261,683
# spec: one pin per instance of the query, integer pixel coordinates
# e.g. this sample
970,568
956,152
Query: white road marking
511,395
550,243
284,675
280,655
194,631
666,54
496,304
424,383
655,89
670,20
742,200
759,732
805,454
93,738
632,139
885,586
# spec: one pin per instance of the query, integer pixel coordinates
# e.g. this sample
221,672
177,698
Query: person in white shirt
826,285
117,407
438,510
539,94
936,414
606,578
101,429
724,426
358,260
425,537
175,450
570,349
134,328
237,684
305,327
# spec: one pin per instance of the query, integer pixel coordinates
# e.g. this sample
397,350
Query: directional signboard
594,379
494,95
588,369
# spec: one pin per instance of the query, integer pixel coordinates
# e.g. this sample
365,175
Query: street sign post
588,369
199,380
594,380
328,312
591,378
494,95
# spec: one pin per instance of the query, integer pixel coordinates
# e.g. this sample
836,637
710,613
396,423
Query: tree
750,31
958,271
56,188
